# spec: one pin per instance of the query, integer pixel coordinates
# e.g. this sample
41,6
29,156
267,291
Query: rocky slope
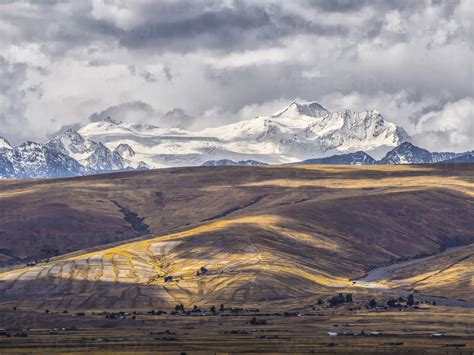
407,153
357,158
92,155
37,160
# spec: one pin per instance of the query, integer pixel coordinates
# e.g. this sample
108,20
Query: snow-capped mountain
92,155
125,151
357,158
295,133
37,160
228,162
407,153
299,131
4,144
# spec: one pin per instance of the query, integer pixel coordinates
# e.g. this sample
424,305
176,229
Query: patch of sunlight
341,168
7,194
452,183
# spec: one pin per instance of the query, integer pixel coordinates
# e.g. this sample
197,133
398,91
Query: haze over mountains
305,132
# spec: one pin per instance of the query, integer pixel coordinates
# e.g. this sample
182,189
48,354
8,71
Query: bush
255,321
337,300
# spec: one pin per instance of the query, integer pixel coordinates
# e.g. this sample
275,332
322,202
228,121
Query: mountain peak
124,150
296,109
72,134
4,144
407,153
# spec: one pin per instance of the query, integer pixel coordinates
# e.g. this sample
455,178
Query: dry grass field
275,238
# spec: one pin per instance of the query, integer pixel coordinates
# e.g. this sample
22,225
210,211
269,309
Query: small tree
337,300
373,303
410,299
392,302
349,298
213,309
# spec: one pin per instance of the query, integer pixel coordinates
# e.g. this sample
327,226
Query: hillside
263,233
451,275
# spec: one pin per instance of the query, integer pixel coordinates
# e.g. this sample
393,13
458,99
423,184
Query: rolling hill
263,233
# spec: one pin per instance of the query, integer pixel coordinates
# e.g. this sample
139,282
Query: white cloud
224,61
394,22
451,128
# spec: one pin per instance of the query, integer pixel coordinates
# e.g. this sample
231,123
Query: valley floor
431,329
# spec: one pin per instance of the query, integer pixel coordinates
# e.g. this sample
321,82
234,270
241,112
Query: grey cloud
12,99
170,47
177,118
167,72
138,111
147,76
339,5
135,111
166,26
242,26
64,128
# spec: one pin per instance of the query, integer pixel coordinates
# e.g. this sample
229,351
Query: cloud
177,118
74,127
13,98
223,61
135,111
451,128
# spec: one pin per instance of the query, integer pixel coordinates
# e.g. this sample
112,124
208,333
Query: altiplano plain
272,238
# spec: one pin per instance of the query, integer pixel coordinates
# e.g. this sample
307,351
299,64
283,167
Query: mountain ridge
302,133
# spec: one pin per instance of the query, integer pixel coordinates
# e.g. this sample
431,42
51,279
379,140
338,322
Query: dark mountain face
407,153
461,159
228,162
357,158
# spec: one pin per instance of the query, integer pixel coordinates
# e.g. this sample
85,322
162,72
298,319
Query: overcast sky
204,63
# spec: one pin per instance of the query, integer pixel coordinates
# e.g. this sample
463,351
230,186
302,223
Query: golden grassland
450,274
264,233
275,238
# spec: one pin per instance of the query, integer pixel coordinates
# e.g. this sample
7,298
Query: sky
196,64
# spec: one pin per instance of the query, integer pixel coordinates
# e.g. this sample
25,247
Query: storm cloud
206,63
